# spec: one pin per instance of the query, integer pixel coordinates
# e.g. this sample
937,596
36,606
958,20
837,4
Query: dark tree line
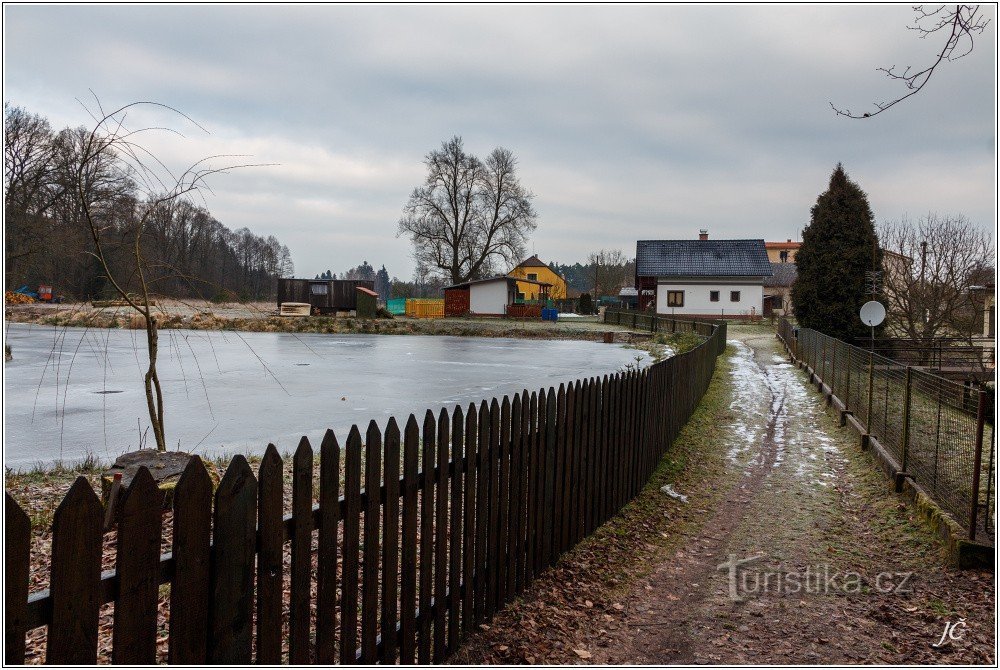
190,254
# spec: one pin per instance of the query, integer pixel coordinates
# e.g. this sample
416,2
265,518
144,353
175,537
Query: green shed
367,303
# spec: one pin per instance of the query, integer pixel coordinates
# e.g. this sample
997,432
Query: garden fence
433,527
939,432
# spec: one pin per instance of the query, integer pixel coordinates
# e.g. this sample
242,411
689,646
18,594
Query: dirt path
837,569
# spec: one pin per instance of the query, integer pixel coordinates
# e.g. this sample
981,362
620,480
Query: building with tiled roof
534,269
703,277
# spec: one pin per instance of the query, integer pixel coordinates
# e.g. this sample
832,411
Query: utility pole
923,286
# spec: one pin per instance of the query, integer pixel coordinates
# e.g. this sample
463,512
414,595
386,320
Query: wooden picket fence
446,522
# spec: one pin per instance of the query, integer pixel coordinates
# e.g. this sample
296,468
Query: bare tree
609,270
961,23
112,149
469,216
930,266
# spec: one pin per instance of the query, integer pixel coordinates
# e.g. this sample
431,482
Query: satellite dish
872,313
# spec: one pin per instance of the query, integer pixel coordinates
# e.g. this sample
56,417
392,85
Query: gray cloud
629,122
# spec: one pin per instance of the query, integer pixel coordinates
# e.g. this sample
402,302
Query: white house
706,278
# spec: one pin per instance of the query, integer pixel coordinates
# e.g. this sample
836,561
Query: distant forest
190,253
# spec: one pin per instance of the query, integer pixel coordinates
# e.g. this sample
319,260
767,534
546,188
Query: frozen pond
70,391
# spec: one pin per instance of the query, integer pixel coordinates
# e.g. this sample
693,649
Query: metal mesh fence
939,432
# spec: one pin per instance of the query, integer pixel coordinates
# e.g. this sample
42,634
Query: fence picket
302,526
441,538
138,562
424,621
326,559
371,553
270,572
528,436
548,507
516,499
232,568
352,549
492,575
455,530
192,566
17,557
503,519
390,545
408,586
469,533
482,513
75,577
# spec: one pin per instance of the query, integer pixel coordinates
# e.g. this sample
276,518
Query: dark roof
701,258
783,274
533,262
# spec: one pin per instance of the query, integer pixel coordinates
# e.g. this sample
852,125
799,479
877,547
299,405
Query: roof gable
701,258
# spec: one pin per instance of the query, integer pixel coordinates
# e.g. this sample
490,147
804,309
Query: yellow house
535,270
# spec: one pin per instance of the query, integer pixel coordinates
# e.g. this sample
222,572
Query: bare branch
961,22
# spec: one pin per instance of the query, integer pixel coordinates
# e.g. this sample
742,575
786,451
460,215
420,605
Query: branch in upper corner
961,22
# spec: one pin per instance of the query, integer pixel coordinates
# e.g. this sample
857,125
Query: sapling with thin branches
117,226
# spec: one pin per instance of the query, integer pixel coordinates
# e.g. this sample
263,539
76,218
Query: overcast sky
628,122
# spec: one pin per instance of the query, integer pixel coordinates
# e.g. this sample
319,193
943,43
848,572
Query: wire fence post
847,393
977,463
871,392
906,418
833,372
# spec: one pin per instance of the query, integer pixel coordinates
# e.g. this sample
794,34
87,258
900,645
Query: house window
675,298
319,289
734,296
713,296
784,256
532,276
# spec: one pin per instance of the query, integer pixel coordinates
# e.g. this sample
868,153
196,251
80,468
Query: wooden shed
367,300
326,296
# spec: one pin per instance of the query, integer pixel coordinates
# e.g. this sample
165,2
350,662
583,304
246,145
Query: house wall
488,298
697,298
774,255
786,299
456,301
545,275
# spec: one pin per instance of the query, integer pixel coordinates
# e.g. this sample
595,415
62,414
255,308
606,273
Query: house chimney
789,239
703,234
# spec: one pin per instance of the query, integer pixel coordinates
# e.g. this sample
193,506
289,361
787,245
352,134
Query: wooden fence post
371,548
352,548
408,581
17,557
469,504
74,582
270,556
482,514
233,553
440,539
390,545
326,559
138,567
302,526
455,529
192,566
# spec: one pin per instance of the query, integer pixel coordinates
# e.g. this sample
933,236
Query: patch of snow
669,490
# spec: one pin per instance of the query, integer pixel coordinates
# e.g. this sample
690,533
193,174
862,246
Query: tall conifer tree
838,247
